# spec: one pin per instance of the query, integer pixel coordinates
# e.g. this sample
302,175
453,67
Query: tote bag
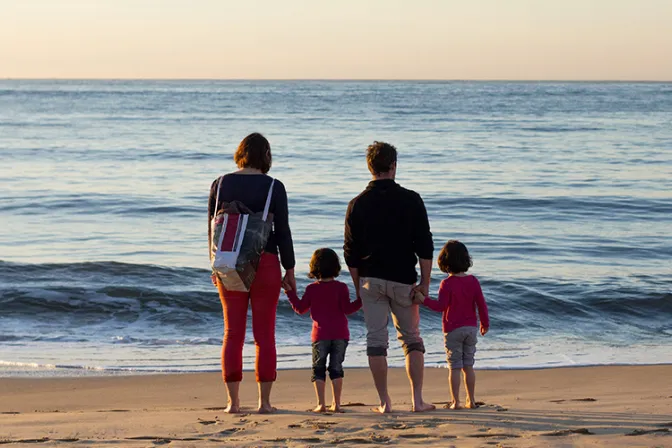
238,240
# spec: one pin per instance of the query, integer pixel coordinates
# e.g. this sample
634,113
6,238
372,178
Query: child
329,303
459,296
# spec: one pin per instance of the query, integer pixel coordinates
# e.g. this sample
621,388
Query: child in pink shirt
459,296
329,303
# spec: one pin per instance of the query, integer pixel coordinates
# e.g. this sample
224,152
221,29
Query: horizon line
437,80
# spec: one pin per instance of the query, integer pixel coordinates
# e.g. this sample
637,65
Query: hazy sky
363,39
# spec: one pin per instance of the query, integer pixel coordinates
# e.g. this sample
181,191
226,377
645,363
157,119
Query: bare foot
384,408
472,405
336,408
266,409
320,408
232,409
455,405
423,407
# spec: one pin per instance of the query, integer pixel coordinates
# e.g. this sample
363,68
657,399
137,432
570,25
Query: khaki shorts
379,299
461,347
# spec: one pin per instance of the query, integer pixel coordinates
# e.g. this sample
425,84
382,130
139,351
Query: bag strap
219,187
268,200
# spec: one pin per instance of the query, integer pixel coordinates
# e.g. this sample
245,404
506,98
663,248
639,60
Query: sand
594,406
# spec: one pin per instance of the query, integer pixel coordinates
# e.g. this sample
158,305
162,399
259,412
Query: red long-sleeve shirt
329,304
459,297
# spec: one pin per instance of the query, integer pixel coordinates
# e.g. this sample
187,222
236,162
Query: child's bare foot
423,407
232,409
320,408
336,408
384,408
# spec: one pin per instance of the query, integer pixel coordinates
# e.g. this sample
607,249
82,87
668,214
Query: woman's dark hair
380,157
254,152
324,264
454,258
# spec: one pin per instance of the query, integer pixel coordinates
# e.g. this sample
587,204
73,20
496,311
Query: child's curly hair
454,258
324,264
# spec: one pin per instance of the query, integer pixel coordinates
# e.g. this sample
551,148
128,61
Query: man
386,231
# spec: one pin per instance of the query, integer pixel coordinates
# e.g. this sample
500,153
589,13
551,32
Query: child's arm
300,306
443,301
347,306
482,309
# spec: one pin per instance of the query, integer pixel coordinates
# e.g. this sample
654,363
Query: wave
85,294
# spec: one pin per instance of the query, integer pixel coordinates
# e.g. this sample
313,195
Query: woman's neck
249,171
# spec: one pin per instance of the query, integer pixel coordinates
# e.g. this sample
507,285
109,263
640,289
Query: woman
250,185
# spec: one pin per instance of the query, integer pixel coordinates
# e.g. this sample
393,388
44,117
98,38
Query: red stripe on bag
230,233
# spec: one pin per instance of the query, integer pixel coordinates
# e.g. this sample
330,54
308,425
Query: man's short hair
380,157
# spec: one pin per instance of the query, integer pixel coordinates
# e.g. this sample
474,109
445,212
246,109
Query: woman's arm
283,234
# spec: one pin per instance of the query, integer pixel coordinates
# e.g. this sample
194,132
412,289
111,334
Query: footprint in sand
586,400
641,432
568,432
490,436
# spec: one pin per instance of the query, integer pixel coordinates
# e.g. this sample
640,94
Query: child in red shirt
459,296
329,303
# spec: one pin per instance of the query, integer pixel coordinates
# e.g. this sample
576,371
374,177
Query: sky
337,39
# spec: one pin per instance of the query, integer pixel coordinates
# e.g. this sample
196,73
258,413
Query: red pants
264,295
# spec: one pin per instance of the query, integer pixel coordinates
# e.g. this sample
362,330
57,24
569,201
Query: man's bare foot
231,409
423,407
336,408
472,405
320,408
266,409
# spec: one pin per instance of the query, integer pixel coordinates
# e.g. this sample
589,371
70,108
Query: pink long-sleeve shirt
329,304
459,298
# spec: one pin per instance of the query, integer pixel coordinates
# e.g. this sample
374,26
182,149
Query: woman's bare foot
423,407
455,405
472,405
336,408
266,409
320,408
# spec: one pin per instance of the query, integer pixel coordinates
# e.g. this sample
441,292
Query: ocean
561,191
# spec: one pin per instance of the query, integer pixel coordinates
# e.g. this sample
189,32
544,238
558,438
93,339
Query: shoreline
603,406
42,371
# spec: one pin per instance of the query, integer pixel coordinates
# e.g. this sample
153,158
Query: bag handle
268,200
219,187
266,207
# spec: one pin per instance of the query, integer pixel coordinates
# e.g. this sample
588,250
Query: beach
583,406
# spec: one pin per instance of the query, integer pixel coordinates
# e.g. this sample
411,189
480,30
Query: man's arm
354,273
424,247
351,247
425,277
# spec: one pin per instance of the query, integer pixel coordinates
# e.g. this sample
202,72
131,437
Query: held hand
484,330
289,280
213,277
418,290
418,298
